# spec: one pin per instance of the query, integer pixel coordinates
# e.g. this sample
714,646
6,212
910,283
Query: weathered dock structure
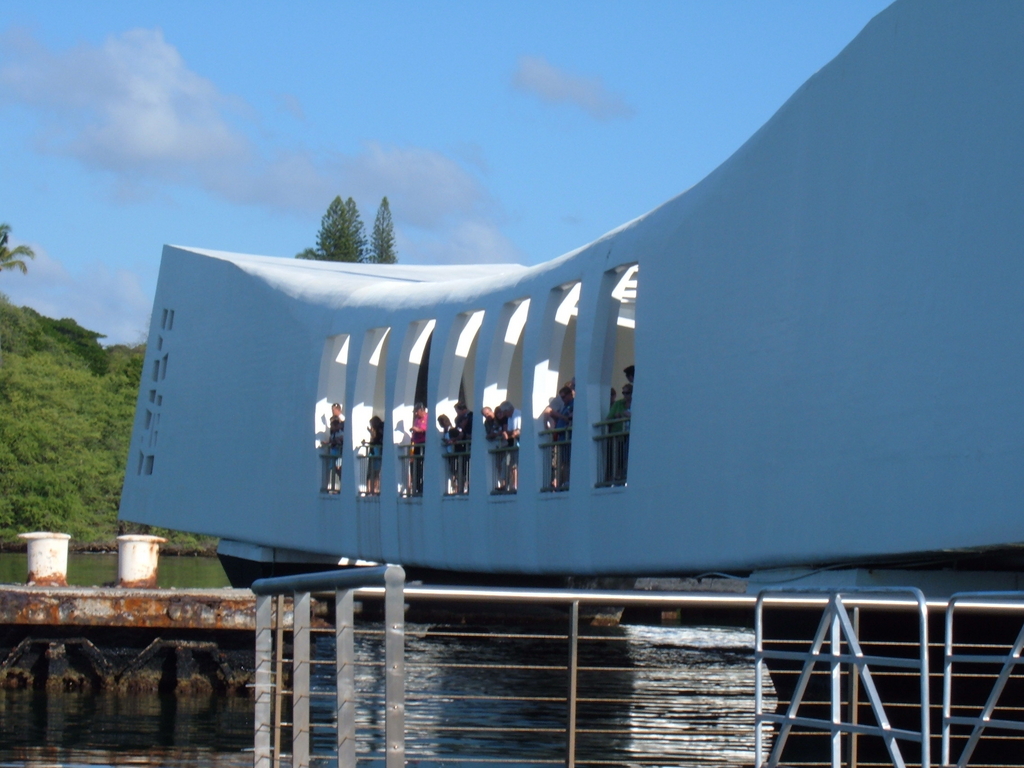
184,640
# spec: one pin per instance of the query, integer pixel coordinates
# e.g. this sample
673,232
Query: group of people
502,426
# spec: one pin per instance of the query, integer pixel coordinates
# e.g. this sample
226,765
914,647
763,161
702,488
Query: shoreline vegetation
67,404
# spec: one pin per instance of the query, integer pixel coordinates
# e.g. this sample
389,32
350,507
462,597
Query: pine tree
382,241
342,236
353,247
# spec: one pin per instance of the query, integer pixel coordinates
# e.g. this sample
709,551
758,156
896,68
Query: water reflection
671,696
104,729
679,695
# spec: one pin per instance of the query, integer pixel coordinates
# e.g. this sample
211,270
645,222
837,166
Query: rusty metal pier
181,640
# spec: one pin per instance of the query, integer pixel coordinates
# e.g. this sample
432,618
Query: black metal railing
330,471
410,470
504,469
612,441
456,467
556,451
368,461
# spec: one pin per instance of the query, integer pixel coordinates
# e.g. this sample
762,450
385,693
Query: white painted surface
47,557
829,341
138,559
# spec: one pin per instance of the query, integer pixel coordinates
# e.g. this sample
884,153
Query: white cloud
552,85
132,108
111,302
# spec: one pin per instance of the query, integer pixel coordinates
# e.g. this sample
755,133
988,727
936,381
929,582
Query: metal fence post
346,684
264,661
300,680
278,675
570,725
394,666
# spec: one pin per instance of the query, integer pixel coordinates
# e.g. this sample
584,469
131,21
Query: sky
500,132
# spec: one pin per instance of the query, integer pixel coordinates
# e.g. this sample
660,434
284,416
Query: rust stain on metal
222,609
47,580
147,583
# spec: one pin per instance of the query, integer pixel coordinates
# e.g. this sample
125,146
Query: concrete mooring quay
182,640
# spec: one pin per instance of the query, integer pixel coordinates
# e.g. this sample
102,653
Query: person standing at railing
335,440
558,421
621,409
463,425
509,420
419,438
617,456
375,450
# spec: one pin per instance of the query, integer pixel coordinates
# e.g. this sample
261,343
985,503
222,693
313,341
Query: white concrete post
47,558
137,560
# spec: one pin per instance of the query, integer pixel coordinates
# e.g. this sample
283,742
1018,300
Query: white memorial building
827,333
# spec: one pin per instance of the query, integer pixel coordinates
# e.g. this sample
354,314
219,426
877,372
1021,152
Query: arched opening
615,377
367,419
504,387
329,412
554,387
457,400
410,414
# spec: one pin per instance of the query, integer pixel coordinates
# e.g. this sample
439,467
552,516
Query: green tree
382,240
342,236
9,256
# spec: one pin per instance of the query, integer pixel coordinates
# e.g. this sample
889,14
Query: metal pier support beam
570,715
346,677
300,681
262,682
394,662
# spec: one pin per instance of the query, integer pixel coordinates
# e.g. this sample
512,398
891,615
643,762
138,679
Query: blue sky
499,132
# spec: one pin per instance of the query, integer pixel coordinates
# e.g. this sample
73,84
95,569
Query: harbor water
476,695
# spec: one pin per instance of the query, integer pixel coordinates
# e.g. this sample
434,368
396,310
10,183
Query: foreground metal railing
504,469
556,450
979,688
612,440
849,673
270,676
330,472
456,467
835,650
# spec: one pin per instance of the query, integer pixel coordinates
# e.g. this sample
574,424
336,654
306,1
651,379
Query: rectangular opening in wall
156,370
163,319
142,459
149,419
147,468
152,395
159,343
170,320
163,368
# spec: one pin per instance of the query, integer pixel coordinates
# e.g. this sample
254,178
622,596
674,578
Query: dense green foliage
382,240
9,256
342,236
66,411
